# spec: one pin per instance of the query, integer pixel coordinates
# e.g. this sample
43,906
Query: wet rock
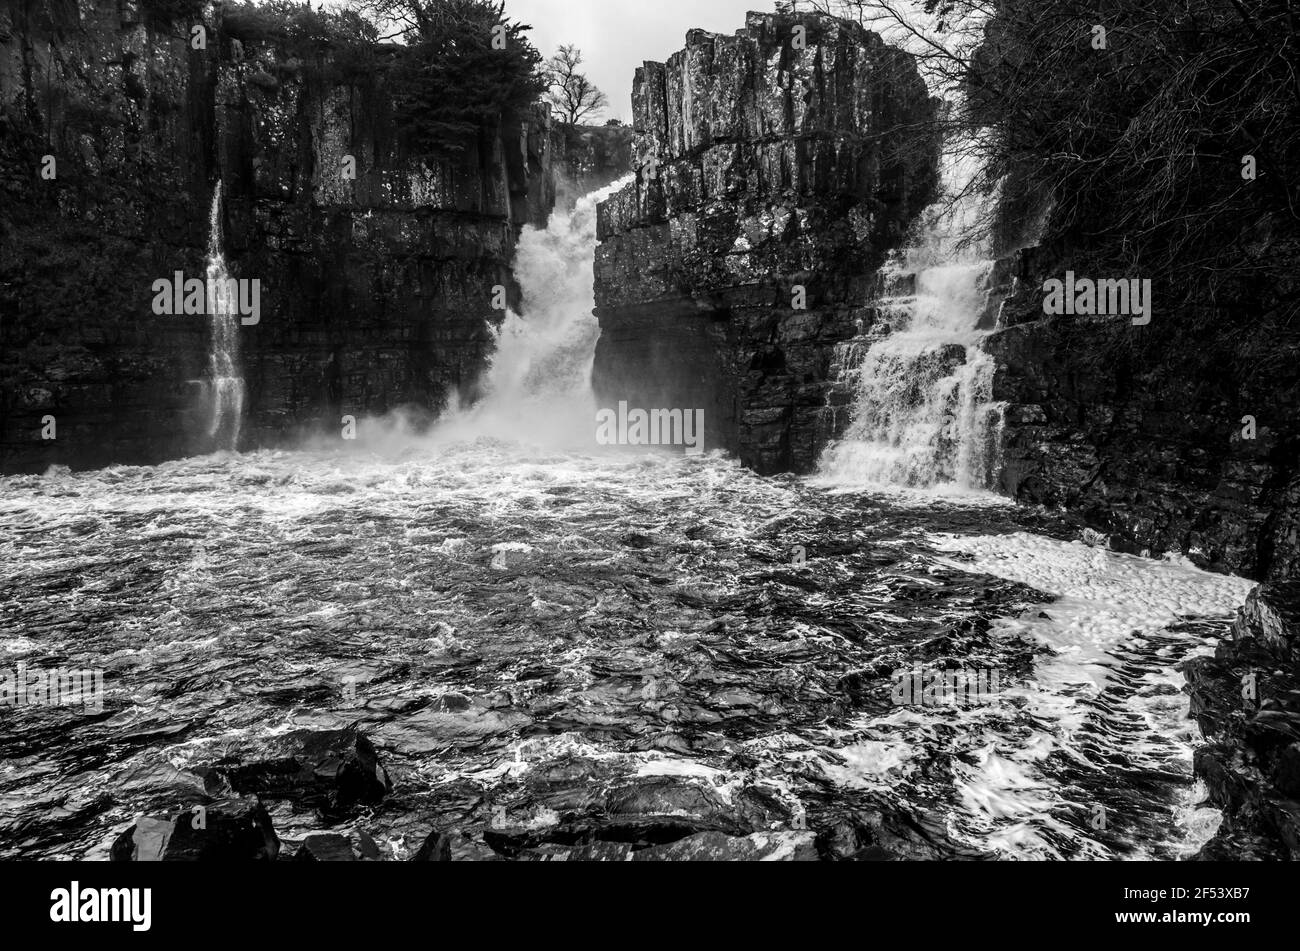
718,847
757,174
1247,701
439,729
454,847
668,798
367,848
132,206
1138,431
332,770
591,852
325,848
229,830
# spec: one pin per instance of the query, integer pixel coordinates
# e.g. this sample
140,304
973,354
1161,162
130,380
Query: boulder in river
229,830
332,770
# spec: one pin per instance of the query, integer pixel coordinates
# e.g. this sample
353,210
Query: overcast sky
616,36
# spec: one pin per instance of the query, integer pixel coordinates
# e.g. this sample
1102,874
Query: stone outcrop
775,170
1142,431
1246,699
375,292
227,830
333,771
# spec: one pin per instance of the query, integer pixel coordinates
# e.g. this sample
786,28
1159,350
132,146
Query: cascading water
923,413
538,387
226,383
576,644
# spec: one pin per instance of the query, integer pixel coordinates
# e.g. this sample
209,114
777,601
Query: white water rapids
551,646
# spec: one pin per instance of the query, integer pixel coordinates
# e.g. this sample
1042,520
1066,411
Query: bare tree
412,20
572,95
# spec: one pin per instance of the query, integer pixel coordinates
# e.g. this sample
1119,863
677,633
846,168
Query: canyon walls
1181,435
376,290
775,170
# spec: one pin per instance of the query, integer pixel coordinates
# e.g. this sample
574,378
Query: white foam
1104,600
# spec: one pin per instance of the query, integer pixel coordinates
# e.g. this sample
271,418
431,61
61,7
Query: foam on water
1107,682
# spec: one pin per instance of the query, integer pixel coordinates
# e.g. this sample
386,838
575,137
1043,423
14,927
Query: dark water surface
638,620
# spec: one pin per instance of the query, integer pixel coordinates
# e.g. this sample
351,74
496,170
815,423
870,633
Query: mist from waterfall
226,382
922,413
538,387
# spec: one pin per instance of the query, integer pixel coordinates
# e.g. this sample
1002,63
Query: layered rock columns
775,170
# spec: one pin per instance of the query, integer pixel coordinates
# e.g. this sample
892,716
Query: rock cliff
375,291
1245,700
1179,435
775,170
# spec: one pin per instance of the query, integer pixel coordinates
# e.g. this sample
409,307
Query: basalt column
776,169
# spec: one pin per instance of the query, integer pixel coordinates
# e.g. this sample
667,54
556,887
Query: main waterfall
922,412
226,382
538,386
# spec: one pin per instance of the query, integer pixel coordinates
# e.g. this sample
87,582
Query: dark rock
332,770
591,852
325,848
1140,430
230,830
375,293
454,847
367,847
1247,702
718,847
773,168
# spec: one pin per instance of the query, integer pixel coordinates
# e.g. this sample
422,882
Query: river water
556,644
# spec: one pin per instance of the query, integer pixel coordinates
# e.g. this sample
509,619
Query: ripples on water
639,618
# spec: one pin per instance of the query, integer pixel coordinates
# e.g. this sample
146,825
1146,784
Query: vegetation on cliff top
454,68
1135,119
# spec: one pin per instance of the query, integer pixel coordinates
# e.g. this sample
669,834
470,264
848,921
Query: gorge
468,628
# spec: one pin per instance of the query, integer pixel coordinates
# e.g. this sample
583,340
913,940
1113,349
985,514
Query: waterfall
538,386
226,386
922,409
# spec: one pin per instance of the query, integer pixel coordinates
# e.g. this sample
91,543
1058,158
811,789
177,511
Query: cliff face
1245,700
773,177
375,291
594,156
1143,431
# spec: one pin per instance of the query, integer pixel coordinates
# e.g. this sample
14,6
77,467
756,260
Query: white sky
616,36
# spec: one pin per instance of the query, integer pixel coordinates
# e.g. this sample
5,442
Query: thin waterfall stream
225,375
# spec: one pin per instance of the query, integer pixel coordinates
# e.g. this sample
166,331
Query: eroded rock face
764,166
1245,699
375,291
1174,436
